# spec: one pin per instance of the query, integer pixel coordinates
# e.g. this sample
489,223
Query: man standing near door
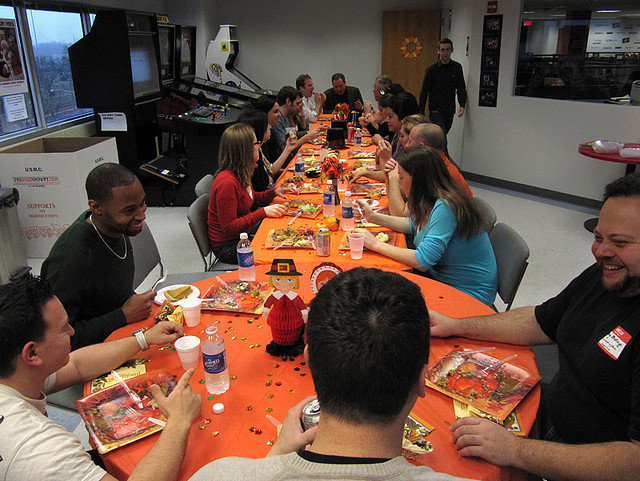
441,82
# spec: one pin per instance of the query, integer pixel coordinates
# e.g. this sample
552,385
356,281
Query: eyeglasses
256,143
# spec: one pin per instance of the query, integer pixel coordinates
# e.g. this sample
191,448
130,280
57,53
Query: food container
323,242
310,414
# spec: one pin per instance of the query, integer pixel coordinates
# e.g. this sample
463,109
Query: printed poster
12,75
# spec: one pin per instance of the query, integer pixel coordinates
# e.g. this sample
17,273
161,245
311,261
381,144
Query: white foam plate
159,299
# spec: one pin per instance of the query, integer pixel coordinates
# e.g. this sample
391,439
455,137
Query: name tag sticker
614,342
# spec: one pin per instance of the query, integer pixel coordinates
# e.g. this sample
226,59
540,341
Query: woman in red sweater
233,205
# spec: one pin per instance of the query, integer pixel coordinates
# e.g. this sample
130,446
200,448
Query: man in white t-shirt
35,359
311,101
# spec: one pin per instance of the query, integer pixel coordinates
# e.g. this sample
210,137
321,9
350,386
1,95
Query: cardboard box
49,174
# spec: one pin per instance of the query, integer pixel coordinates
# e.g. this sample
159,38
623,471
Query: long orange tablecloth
262,384
264,255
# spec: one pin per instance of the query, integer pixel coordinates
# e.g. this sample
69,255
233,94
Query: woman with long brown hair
234,207
452,244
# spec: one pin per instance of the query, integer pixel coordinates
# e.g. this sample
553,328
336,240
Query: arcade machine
116,72
221,57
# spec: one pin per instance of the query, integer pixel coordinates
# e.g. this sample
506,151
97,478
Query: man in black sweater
91,267
441,82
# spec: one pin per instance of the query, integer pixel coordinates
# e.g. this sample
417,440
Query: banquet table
262,384
264,255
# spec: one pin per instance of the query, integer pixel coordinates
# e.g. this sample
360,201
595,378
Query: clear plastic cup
191,310
356,245
188,349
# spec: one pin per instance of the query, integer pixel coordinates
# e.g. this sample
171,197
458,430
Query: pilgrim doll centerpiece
284,310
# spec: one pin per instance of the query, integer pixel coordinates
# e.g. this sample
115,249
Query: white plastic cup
188,349
356,245
191,310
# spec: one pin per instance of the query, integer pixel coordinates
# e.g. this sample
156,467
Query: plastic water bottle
299,165
347,212
246,267
357,140
329,200
214,359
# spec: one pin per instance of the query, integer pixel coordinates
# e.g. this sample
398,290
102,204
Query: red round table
586,150
262,384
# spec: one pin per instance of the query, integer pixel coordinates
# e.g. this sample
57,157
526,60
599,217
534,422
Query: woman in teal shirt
452,245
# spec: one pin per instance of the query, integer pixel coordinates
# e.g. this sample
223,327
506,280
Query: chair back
511,253
487,210
145,255
204,185
197,217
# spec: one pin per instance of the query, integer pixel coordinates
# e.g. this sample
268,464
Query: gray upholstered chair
204,185
511,253
197,217
488,212
147,257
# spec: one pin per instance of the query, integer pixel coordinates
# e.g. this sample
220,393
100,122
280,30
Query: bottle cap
244,235
218,408
211,329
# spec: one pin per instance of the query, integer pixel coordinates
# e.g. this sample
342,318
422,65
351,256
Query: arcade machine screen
166,38
144,66
187,52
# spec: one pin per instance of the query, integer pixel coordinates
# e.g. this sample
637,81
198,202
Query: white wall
279,40
525,140
535,141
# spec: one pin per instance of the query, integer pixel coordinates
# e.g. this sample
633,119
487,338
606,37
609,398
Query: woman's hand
357,174
275,210
370,241
384,151
389,166
365,208
282,191
289,145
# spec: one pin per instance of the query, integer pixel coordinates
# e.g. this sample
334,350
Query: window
580,51
36,87
51,34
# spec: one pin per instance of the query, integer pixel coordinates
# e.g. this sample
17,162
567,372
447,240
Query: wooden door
409,44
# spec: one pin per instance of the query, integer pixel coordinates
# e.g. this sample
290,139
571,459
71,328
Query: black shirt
440,83
595,396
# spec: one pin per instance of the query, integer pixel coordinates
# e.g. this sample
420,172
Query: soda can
311,414
351,131
323,242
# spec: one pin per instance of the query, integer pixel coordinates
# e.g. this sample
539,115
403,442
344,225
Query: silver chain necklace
105,242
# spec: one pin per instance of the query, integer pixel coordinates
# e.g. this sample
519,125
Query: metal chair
511,253
197,217
487,210
204,185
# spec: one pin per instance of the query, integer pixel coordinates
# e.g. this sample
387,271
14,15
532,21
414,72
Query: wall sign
489,69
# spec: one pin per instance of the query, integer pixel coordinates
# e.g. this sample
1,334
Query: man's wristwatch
142,341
